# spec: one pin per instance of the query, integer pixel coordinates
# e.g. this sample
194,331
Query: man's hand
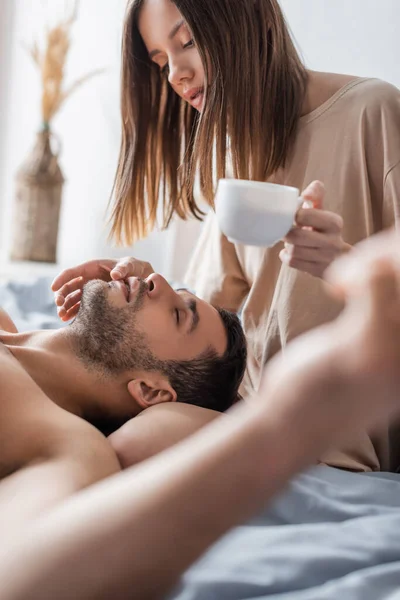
69,284
316,240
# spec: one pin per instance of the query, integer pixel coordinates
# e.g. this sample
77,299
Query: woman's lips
197,101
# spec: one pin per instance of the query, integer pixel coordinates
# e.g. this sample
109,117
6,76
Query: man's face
126,325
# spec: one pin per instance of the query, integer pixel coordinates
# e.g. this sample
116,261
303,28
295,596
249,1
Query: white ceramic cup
255,213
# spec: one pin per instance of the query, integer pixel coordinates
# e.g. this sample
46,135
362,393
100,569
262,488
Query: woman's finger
315,193
312,239
72,299
317,255
130,267
94,269
70,314
64,277
320,220
68,275
67,289
59,300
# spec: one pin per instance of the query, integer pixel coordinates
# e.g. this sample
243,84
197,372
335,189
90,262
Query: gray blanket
332,535
31,304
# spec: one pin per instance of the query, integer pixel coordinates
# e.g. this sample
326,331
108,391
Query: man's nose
157,286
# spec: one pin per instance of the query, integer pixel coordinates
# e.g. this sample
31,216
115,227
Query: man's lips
124,287
131,287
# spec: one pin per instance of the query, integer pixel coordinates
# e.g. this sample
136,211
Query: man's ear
148,391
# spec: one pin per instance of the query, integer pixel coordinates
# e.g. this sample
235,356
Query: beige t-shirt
352,144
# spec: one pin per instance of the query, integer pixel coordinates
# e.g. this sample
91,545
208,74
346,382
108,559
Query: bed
30,303
332,535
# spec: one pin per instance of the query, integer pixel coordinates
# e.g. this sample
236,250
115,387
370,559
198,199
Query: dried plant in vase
39,181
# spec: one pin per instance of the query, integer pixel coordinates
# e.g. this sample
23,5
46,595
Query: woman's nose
178,73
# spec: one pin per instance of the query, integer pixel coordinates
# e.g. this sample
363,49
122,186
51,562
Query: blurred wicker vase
39,184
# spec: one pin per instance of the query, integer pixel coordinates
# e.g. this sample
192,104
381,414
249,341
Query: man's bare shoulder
33,428
6,323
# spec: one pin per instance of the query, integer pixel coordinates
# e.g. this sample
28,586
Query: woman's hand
69,284
316,239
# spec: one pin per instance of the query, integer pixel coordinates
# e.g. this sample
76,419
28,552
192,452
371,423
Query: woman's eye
189,44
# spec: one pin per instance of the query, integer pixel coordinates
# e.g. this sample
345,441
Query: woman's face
170,45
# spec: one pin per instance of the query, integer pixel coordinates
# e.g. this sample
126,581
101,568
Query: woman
226,74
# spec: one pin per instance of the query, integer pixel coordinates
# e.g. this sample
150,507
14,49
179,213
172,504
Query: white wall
349,36
88,126
6,27
359,37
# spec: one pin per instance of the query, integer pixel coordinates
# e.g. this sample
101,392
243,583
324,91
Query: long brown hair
255,87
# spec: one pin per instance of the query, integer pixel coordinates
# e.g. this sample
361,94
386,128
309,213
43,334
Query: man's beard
106,338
